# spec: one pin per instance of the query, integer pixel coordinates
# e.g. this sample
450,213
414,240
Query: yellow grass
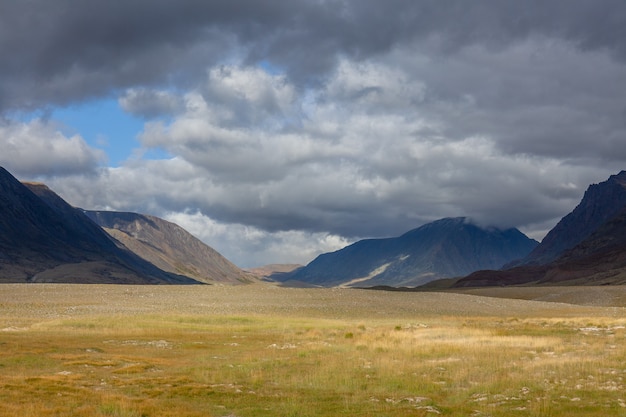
266,351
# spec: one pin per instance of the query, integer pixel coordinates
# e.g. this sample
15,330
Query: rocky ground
26,304
599,296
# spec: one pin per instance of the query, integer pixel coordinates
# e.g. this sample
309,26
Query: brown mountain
267,271
587,247
169,246
44,239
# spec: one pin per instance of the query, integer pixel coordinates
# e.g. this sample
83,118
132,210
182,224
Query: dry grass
268,351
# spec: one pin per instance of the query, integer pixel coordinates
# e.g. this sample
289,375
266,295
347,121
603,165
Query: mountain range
449,247
44,239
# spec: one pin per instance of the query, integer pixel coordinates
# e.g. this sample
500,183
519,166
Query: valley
333,208
531,339
264,350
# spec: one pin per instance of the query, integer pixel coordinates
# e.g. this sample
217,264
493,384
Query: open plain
262,350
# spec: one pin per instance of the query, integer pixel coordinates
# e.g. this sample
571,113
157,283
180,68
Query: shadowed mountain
44,239
169,247
445,248
600,203
587,247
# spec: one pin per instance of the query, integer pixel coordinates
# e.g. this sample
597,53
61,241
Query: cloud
308,124
39,148
538,97
72,52
148,103
248,246
375,151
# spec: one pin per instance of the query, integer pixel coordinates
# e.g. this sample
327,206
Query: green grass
310,362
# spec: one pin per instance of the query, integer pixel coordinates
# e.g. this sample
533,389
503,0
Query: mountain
44,239
588,246
169,247
445,248
273,271
600,203
599,260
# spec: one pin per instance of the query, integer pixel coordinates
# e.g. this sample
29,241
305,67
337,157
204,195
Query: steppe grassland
267,351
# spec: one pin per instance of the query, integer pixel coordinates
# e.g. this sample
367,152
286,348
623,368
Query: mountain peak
447,247
447,223
619,178
600,203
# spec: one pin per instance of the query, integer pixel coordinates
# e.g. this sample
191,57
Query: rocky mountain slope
445,248
44,239
600,203
587,247
169,247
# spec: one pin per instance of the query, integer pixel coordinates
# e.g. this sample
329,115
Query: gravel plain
25,304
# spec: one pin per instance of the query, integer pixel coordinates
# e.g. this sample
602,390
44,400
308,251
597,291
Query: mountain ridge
601,202
169,247
44,239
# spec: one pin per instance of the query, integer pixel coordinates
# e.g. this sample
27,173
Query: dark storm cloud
149,103
538,97
56,52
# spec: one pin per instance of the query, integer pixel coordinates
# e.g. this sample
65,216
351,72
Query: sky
276,130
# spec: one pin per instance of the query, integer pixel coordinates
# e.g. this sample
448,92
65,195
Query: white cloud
39,148
247,246
251,90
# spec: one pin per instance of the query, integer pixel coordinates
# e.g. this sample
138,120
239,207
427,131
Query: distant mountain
273,271
588,246
169,247
445,248
44,239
